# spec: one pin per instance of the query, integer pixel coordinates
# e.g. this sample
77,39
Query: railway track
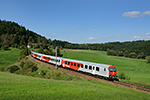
94,78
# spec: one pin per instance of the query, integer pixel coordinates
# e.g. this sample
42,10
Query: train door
93,70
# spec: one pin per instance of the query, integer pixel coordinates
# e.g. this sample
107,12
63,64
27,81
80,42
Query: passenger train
102,70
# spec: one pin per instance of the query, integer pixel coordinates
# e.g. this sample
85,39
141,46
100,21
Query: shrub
14,68
2,69
132,55
58,74
123,76
23,53
28,64
34,68
111,52
43,72
148,59
22,64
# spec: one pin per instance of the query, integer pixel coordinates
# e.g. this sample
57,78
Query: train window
86,66
97,68
74,64
93,68
65,62
39,56
71,64
90,67
110,69
82,66
68,63
78,65
104,69
115,70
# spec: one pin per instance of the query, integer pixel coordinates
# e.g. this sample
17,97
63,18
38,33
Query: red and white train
103,70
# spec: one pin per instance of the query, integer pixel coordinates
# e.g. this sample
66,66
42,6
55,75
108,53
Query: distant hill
15,35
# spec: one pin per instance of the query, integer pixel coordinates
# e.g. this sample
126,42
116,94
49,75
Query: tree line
14,35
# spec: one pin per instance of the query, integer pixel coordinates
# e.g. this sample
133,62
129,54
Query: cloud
92,38
132,14
135,37
145,13
93,29
53,33
77,31
147,34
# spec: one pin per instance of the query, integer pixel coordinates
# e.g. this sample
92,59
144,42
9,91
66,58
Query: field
9,56
20,87
137,69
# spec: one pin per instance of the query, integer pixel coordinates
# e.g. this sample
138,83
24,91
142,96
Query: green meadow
20,87
137,69
8,57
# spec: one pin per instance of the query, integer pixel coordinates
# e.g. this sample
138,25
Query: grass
16,87
137,69
8,57
19,87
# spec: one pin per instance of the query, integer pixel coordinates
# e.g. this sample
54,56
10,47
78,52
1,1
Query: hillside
14,35
137,69
16,87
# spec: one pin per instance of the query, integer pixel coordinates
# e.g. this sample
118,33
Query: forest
14,35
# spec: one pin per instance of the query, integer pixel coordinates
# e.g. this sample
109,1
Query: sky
81,21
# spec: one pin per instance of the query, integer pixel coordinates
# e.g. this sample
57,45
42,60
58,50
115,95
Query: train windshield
112,69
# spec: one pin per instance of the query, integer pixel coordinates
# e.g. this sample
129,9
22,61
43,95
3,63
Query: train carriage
103,70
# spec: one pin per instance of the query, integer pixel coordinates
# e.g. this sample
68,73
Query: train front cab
112,72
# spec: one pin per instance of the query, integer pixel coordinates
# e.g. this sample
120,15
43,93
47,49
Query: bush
123,76
22,64
111,52
23,53
148,59
14,68
43,72
34,68
132,55
2,69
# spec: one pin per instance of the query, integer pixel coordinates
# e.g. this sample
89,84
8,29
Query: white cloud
147,34
145,13
92,38
135,37
77,31
93,29
133,14
53,33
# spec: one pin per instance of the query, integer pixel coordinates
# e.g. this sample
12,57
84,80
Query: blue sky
81,21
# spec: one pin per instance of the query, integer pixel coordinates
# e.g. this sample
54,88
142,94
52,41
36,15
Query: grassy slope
19,87
137,69
9,56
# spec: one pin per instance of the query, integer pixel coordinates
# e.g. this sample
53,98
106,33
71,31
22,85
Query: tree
148,59
5,45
